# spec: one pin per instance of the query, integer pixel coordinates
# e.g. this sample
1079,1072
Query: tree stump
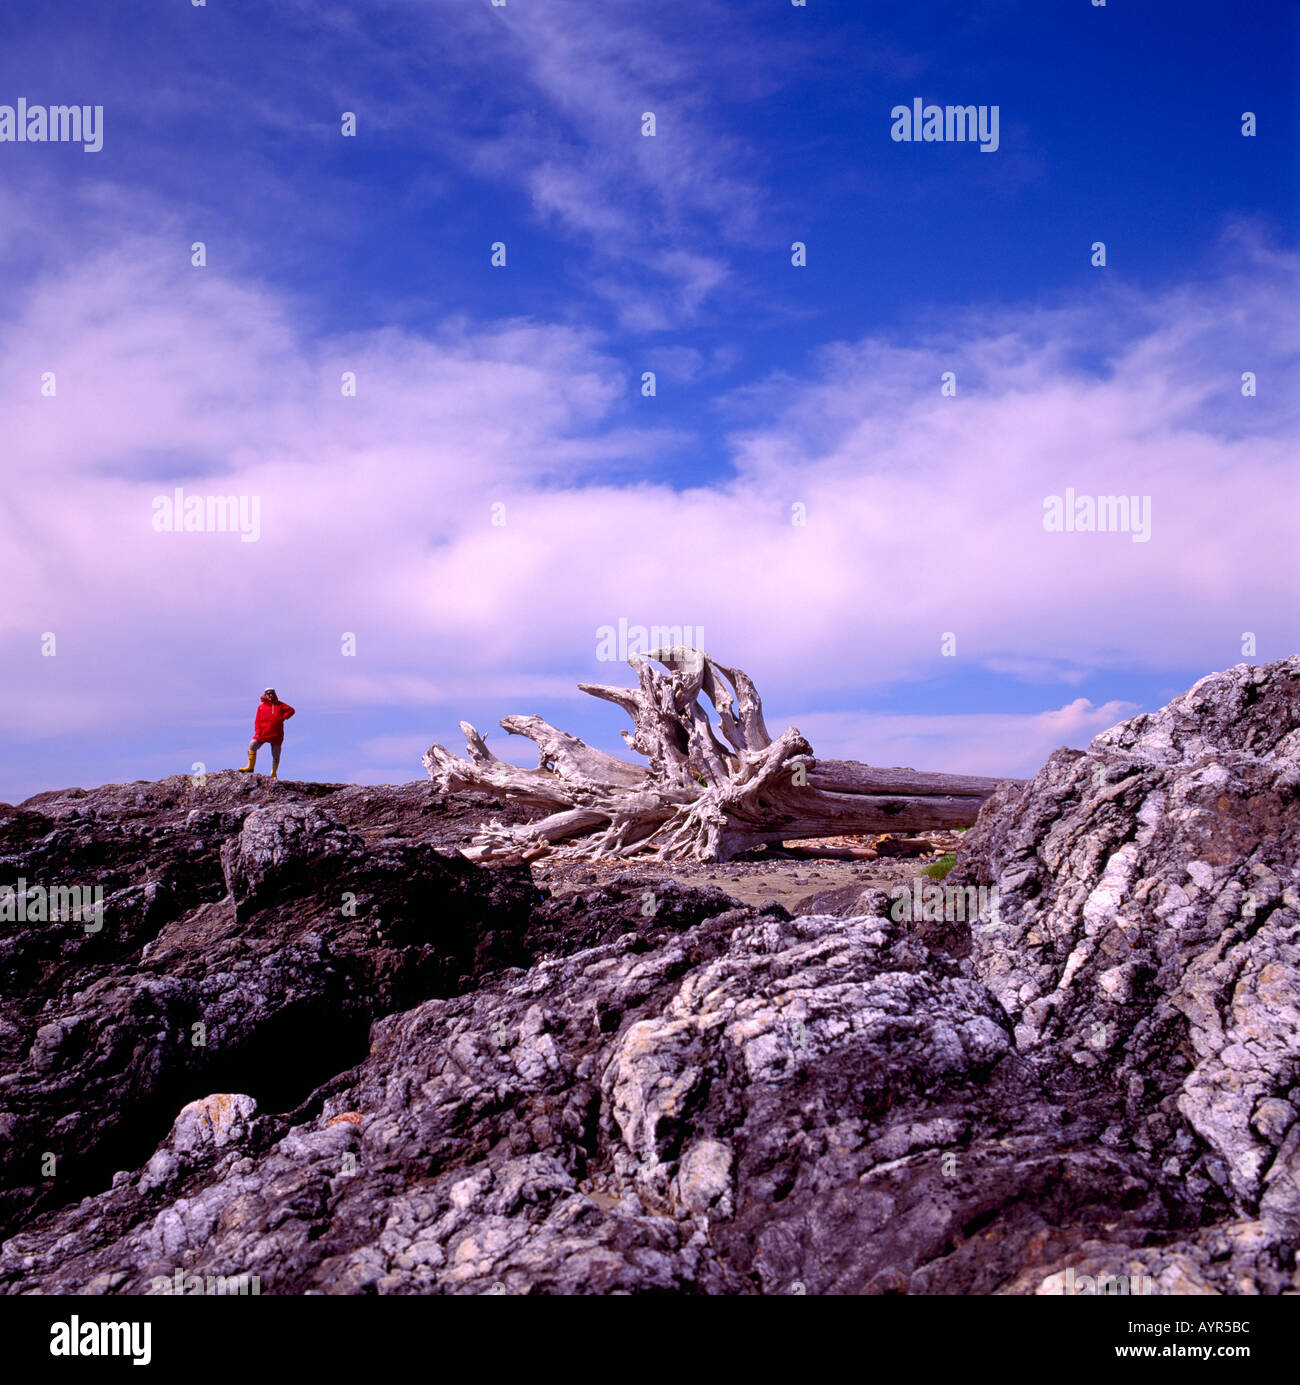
706,793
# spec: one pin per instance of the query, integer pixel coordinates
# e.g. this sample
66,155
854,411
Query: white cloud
924,514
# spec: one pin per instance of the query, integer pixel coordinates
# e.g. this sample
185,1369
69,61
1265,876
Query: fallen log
706,793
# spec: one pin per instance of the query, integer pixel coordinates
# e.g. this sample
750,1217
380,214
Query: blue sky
776,385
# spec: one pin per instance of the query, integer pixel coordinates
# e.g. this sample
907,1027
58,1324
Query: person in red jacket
268,729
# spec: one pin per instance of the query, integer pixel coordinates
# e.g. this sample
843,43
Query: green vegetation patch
941,867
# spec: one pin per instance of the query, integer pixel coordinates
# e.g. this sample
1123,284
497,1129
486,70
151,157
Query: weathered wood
844,814
702,795
848,776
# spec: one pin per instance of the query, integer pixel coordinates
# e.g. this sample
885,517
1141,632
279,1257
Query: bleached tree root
707,793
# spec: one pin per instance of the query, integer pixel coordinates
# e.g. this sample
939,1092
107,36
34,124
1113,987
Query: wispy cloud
543,103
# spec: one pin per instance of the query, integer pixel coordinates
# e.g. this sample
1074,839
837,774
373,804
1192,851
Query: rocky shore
314,1046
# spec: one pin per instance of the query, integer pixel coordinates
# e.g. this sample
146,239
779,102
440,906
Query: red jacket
271,717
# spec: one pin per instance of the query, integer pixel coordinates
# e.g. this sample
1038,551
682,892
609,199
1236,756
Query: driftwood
706,793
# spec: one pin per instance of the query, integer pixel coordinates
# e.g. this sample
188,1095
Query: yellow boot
275,771
252,760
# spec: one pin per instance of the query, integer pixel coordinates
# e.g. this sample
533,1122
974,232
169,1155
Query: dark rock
269,988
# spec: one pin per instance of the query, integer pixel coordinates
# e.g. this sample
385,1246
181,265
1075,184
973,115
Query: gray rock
1149,928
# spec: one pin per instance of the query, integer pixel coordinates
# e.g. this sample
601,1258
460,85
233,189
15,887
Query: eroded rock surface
238,944
748,1104
1149,929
